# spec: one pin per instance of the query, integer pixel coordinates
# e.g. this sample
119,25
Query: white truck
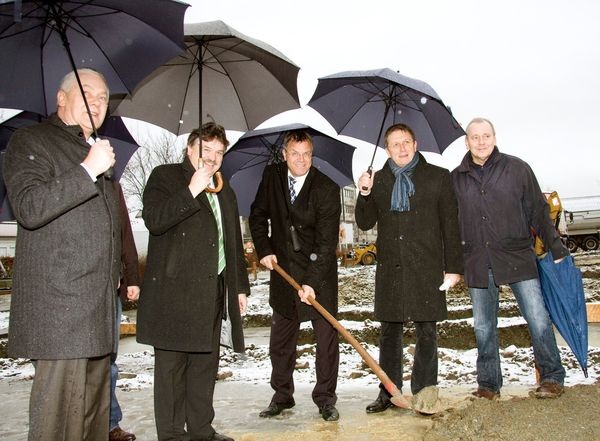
581,222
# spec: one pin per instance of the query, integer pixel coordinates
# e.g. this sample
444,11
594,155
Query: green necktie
217,213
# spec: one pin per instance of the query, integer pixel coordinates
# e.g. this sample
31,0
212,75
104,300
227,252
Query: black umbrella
41,41
124,40
113,129
224,76
362,103
245,161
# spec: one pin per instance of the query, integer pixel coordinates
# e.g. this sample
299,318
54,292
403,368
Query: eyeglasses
297,155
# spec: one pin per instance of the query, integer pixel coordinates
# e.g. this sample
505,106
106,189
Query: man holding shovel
300,208
418,249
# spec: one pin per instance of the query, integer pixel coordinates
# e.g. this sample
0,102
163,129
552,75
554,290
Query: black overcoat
316,216
177,302
414,248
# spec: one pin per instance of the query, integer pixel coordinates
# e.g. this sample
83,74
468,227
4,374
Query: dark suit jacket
177,304
316,216
130,273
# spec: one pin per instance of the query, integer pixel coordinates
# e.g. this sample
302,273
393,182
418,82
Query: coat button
484,218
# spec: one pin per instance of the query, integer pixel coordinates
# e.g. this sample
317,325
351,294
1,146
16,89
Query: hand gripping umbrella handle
397,398
370,172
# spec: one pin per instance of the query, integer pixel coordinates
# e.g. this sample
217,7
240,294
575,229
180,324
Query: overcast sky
532,67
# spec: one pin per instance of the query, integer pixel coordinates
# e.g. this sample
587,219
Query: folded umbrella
562,289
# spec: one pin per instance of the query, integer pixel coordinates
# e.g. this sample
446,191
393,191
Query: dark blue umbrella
245,161
562,288
113,129
362,103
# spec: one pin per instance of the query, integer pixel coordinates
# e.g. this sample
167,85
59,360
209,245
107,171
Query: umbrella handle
218,183
370,172
396,396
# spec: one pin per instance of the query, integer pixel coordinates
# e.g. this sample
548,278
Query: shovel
396,396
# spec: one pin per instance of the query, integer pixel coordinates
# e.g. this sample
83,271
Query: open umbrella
562,289
41,41
113,129
244,162
224,76
362,103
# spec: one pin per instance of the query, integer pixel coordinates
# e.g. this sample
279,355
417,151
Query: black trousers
70,400
425,364
282,350
184,384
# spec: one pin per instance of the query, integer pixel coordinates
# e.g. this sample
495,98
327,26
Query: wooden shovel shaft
385,380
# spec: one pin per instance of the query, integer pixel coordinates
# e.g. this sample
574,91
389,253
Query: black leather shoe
275,409
219,437
379,405
329,412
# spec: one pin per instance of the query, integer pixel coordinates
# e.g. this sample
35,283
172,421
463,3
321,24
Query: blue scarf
403,187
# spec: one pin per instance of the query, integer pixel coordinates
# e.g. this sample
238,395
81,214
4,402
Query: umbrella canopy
113,129
362,103
224,76
244,162
562,288
41,41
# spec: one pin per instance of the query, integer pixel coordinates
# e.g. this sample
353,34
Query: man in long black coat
295,194
418,250
186,292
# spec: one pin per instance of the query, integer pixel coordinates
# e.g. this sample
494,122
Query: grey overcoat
68,252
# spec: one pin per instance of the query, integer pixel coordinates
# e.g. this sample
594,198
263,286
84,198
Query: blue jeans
485,314
116,415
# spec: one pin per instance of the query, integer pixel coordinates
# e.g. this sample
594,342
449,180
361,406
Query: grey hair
480,120
69,81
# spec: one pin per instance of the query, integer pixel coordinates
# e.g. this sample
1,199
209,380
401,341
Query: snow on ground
456,367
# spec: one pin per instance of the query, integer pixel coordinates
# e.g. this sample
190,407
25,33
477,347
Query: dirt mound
573,416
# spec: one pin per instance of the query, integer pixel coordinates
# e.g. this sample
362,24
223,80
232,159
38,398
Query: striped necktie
292,189
217,213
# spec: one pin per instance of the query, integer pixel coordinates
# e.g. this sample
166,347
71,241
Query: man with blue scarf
419,256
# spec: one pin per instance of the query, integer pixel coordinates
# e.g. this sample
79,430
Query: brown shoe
486,393
549,389
118,434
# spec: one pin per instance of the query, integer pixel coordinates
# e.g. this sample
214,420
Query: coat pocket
516,243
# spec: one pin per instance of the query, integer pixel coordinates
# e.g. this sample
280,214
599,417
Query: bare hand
133,292
243,303
450,280
366,181
201,178
268,261
306,294
100,157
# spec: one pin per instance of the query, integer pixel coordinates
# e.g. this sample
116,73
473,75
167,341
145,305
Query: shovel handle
383,377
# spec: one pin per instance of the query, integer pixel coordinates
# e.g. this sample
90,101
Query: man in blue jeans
499,202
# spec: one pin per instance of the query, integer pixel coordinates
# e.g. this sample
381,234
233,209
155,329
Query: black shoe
379,405
329,412
219,437
275,409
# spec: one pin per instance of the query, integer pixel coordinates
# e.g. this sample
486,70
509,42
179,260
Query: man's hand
268,261
100,157
201,178
243,302
450,280
366,181
306,294
133,292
